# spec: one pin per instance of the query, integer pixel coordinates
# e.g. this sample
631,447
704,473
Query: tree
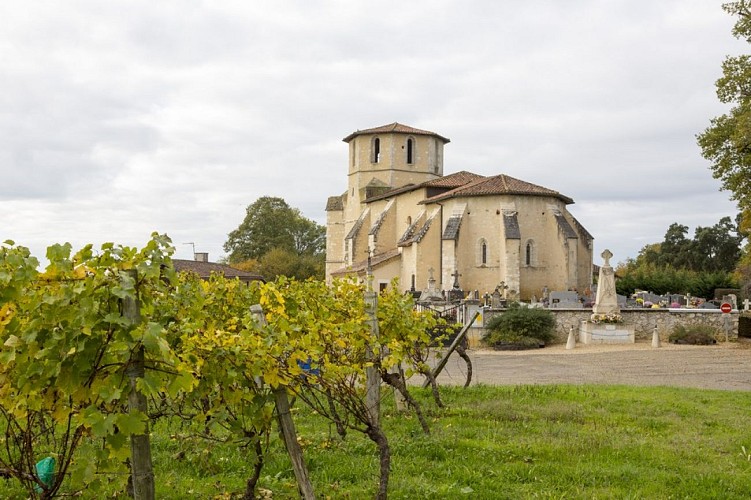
715,248
271,223
727,141
682,265
275,239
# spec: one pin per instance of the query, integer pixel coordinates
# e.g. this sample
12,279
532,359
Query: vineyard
102,345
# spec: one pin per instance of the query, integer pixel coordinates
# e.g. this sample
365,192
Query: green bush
520,327
694,335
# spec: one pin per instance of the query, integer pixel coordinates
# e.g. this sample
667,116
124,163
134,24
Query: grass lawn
497,442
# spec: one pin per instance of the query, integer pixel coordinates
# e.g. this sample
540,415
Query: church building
401,213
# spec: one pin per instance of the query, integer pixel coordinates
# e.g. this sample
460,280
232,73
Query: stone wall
644,321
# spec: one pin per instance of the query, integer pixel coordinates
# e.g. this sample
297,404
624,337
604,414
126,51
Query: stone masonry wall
644,321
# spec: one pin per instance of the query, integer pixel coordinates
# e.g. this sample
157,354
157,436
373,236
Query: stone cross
606,256
456,279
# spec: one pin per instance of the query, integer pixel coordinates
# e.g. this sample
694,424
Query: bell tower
389,157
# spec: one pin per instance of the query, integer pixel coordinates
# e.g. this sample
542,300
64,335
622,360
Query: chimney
201,256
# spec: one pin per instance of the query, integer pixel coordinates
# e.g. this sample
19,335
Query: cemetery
598,316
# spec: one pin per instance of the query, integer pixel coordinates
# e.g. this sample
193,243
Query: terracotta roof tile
450,181
454,180
394,128
499,184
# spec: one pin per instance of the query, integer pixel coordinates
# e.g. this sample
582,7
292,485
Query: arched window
529,253
376,150
410,151
482,252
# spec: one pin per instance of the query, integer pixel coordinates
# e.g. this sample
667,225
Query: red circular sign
725,307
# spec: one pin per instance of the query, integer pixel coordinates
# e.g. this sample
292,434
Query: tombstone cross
456,279
746,305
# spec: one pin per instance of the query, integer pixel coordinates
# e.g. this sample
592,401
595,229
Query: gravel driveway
724,366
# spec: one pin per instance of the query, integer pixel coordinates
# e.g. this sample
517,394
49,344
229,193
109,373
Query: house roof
394,128
204,270
498,184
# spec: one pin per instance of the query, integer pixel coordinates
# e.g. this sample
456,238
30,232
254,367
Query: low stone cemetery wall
644,321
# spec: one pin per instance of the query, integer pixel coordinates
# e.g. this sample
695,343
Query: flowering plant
606,318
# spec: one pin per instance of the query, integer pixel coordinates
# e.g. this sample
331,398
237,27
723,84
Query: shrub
521,327
694,335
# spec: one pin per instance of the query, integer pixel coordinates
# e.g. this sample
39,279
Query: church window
376,150
482,253
529,253
410,151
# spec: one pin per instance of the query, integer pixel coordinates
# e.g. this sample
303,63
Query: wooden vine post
372,373
457,341
142,471
287,426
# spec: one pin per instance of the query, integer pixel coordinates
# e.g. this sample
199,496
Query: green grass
498,442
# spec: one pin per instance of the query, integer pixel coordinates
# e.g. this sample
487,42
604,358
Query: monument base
603,333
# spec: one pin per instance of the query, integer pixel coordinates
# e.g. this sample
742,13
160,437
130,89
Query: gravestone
431,294
496,300
732,299
564,300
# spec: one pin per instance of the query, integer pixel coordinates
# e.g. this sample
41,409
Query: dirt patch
724,366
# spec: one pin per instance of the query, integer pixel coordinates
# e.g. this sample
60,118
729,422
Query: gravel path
722,366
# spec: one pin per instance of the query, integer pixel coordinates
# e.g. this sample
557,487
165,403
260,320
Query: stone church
465,230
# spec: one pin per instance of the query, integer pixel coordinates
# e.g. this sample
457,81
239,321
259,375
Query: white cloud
123,118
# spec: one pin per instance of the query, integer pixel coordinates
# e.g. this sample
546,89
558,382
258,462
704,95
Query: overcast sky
122,118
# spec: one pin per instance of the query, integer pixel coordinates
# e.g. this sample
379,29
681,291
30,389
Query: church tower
380,159
389,157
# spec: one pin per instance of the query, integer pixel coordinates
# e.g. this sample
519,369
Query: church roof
394,128
362,266
450,181
511,226
334,203
498,184
454,180
565,227
452,228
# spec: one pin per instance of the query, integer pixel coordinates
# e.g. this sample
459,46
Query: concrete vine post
142,471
